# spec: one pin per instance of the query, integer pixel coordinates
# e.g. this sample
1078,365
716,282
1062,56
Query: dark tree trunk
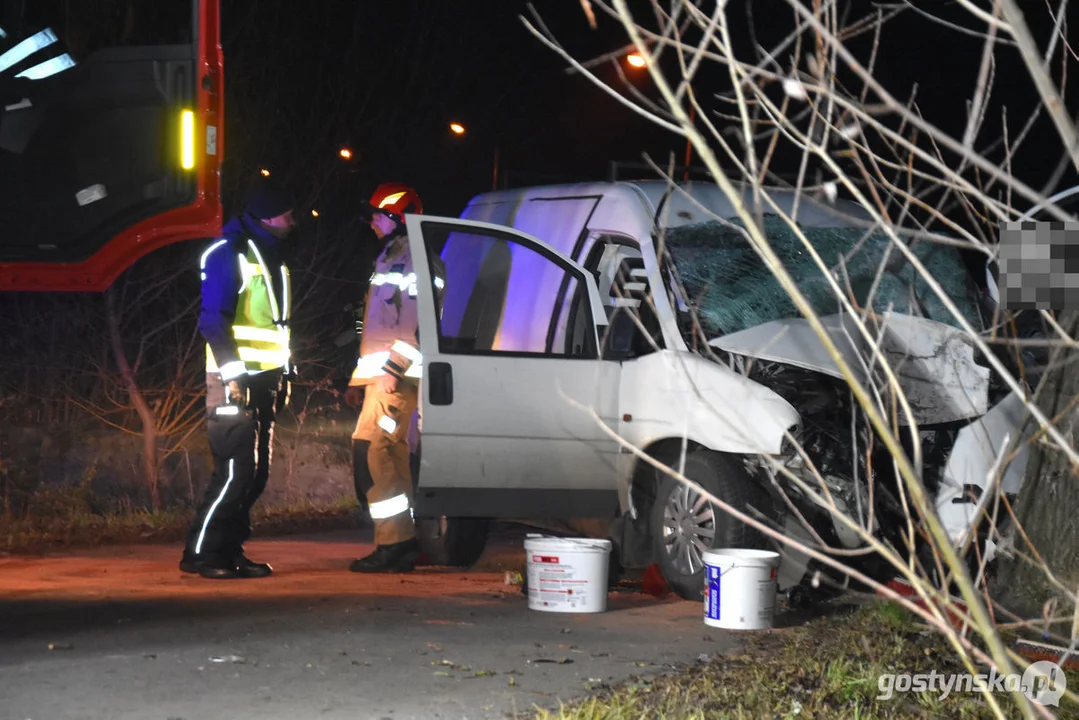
146,413
1048,504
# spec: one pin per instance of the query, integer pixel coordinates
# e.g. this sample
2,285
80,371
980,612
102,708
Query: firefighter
387,375
244,319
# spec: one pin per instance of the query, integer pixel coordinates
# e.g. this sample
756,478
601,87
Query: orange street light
265,172
314,213
457,128
636,60
346,153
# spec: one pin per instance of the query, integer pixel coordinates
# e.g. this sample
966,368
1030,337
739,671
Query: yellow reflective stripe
391,199
387,423
260,355
271,335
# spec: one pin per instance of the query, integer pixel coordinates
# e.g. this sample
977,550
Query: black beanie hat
266,199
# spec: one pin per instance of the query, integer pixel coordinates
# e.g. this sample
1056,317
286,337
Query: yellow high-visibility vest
260,325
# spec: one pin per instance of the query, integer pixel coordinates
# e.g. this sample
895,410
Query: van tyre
446,541
683,521
452,542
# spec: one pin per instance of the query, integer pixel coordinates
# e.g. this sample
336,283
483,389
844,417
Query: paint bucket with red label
740,588
567,574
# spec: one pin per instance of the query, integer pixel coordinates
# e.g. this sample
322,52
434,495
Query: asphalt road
121,633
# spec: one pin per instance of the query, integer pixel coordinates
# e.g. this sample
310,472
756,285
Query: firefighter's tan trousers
384,422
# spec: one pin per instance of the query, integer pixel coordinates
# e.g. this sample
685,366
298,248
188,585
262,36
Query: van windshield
732,289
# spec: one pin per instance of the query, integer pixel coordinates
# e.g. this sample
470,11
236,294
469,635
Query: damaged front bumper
936,367
990,454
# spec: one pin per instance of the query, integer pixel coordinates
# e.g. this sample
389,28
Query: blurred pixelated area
1039,265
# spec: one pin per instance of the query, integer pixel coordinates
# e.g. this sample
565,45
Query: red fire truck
111,136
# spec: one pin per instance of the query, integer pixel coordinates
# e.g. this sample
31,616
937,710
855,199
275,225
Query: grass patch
828,668
84,529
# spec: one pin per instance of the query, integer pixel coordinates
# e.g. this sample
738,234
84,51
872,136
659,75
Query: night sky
386,79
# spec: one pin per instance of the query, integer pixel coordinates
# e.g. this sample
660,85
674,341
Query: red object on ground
1034,651
904,588
653,582
1030,649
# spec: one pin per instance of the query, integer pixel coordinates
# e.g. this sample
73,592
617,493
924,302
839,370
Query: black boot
247,568
397,558
188,564
212,568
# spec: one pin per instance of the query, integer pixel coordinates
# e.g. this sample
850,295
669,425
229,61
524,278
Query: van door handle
440,381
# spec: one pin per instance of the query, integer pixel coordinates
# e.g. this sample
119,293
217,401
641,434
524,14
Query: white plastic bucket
567,574
740,588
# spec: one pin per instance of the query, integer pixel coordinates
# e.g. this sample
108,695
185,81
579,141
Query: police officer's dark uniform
246,296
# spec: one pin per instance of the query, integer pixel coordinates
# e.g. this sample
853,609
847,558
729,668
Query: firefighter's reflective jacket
246,295
390,340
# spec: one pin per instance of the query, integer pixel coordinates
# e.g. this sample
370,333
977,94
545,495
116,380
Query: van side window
625,292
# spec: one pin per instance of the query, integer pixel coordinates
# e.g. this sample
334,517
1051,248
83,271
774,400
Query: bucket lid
545,542
750,555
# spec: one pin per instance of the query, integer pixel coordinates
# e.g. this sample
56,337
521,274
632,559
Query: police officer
388,374
244,319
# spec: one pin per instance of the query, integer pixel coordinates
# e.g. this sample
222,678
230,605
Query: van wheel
684,523
452,542
446,541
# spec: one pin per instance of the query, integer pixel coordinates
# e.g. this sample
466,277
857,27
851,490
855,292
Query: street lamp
458,129
265,172
314,213
636,60
346,153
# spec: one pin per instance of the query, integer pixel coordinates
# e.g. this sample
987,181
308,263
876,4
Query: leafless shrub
816,97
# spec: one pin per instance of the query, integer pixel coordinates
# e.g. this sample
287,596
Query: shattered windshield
733,289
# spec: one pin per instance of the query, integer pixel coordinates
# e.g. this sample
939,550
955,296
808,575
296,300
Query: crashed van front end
959,416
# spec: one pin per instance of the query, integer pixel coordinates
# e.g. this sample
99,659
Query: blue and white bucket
740,588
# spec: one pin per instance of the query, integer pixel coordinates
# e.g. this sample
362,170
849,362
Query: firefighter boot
397,558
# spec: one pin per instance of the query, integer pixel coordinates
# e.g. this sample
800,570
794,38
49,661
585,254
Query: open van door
515,407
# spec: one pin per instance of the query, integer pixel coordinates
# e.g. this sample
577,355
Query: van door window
500,296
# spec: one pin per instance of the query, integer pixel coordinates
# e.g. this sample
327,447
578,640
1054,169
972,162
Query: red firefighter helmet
396,199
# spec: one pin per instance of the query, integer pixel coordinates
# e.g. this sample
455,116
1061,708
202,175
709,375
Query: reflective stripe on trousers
389,508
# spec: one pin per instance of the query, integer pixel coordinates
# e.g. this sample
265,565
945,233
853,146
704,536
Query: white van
564,341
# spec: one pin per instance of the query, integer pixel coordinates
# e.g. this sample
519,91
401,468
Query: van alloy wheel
689,528
684,523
